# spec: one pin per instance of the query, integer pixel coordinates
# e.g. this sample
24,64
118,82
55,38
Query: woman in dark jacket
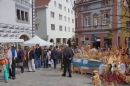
20,55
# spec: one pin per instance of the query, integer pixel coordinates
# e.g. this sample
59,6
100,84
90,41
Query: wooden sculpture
95,79
87,49
108,76
84,71
76,69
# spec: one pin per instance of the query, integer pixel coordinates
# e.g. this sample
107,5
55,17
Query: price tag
78,60
85,61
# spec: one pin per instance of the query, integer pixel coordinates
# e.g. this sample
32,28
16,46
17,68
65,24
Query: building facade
55,20
16,19
94,18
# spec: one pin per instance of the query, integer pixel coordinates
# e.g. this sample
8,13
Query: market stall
37,40
111,67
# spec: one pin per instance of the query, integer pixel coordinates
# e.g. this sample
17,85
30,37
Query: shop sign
110,35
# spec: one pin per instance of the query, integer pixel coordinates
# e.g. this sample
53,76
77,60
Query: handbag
20,64
2,62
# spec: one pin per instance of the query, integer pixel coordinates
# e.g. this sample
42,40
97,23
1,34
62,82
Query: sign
87,41
110,35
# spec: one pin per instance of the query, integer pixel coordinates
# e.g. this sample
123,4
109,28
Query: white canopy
37,40
10,40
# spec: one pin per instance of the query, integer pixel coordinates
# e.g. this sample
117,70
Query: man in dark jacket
67,58
38,53
54,56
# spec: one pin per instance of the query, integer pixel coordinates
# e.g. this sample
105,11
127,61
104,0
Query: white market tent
37,40
6,40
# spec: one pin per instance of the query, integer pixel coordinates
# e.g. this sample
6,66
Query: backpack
13,51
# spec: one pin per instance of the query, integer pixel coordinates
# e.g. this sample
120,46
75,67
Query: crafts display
112,67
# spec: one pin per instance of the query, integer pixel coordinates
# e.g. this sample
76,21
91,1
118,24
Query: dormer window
105,3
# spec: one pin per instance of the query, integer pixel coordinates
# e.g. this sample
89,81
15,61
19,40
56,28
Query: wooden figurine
76,69
108,76
84,71
95,79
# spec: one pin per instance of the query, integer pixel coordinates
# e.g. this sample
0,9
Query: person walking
12,65
5,57
38,53
20,58
67,57
31,58
45,59
54,56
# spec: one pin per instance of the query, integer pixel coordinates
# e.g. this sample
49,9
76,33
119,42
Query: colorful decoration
110,34
93,38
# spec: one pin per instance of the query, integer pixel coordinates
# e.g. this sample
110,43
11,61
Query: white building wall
41,17
8,17
44,29
56,33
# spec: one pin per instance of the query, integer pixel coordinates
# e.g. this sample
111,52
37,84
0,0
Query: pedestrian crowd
35,58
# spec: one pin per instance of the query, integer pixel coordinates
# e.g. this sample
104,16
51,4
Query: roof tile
41,2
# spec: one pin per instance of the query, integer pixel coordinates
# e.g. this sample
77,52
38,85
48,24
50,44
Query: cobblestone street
46,77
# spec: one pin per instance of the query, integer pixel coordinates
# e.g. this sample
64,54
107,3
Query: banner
110,35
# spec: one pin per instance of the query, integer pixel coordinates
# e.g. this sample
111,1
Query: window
105,19
55,3
60,6
69,29
65,18
86,7
18,14
60,28
65,9
72,20
71,11
26,16
87,21
127,24
68,10
52,14
52,27
105,3
22,15
95,20
68,19
65,29
60,17
72,29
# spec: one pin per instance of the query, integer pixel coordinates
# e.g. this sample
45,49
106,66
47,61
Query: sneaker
13,78
10,77
63,75
6,81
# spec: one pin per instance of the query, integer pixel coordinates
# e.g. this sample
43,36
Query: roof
41,2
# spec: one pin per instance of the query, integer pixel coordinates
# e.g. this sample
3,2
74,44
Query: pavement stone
46,77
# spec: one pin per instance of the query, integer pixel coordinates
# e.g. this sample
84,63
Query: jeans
38,63
45,61
22,69
6,70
